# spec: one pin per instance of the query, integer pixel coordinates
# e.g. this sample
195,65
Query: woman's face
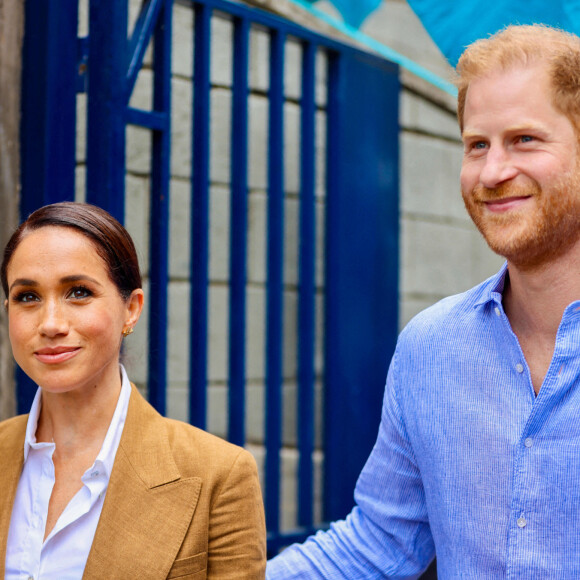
65,316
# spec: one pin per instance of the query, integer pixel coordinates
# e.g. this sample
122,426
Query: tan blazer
180,503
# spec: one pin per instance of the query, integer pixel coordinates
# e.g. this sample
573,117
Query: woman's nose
52,320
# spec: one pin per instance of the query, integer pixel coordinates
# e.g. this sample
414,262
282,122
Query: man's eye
526,138
479,145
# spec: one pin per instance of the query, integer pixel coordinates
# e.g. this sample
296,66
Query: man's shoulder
452,312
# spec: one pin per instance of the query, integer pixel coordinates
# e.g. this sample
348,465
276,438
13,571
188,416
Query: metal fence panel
354,219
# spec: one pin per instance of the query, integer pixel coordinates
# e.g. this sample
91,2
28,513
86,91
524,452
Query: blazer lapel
148,506
12,454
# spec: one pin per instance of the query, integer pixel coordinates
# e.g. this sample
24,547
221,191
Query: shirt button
528,442
497,311
520,368
521,522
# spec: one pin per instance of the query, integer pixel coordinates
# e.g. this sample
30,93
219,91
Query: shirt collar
106,456
492,289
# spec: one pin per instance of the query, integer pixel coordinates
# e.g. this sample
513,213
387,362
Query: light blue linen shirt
468,463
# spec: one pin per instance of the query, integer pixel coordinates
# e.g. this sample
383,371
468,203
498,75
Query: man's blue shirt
468,462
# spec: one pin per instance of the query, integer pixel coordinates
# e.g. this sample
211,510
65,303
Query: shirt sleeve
387,533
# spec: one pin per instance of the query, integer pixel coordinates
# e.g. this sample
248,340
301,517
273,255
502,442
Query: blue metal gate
361,215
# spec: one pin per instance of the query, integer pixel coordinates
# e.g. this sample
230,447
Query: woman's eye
80,292
26,297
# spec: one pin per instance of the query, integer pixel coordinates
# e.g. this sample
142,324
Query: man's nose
52,320
498,168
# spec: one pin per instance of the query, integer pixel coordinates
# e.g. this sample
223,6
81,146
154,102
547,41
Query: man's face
520,178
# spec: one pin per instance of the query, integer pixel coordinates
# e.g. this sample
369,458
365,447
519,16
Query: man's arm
387,533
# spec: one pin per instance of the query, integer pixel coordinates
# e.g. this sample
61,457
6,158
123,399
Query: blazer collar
148,505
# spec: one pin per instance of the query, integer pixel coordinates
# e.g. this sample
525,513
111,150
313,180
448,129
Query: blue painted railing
361,221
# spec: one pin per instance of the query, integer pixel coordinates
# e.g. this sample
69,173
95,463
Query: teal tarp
454,24
354,11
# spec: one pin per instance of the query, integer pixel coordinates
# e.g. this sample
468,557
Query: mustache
505,190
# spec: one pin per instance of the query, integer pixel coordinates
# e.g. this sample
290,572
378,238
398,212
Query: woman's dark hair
111,240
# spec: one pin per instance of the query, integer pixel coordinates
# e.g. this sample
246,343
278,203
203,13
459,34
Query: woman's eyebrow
78,278
23,282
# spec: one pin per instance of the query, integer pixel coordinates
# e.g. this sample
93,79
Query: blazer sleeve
237,530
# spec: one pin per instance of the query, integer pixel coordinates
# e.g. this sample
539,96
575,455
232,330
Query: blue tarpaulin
454,24
354,11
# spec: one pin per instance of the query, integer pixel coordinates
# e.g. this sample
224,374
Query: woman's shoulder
185,437
14,424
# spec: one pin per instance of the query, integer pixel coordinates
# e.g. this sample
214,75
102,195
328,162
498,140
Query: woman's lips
57,354
505,203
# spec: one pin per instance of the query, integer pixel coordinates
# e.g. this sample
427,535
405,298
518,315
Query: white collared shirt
63,555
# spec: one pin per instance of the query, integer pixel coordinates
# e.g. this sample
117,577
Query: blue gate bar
200,216
274,299
332,259
159,213
48,120
153,120
142,33
106,106
238,236
307,287
48,125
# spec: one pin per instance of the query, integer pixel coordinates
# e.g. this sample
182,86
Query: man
478,454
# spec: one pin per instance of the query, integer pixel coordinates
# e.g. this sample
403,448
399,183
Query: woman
106,487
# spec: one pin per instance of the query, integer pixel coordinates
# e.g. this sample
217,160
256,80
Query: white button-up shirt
63,555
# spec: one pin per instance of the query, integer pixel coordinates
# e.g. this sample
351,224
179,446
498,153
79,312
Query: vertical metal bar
274,300
307,289
200,216
48,103
106,105
239,233
48,121
332,258
159,218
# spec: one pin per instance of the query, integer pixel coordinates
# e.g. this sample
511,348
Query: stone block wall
11,31
441,252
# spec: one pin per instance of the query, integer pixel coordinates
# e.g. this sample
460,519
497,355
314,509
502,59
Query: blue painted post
274,300
107,105
48,125
239,234
307,287
159,229
200,216
362,264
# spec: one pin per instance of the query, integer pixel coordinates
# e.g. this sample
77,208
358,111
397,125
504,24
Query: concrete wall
441,252
11,25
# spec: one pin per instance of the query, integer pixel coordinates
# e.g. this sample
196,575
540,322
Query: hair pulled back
110,239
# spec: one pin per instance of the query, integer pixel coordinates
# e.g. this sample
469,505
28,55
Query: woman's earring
127,331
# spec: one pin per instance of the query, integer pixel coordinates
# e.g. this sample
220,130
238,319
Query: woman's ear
134,307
